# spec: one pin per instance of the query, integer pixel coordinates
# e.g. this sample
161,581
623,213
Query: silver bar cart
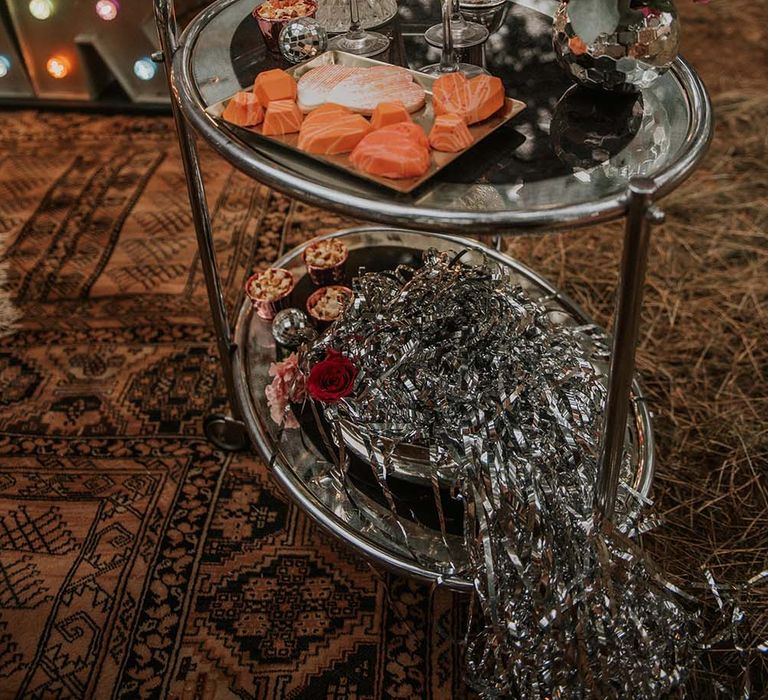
552,167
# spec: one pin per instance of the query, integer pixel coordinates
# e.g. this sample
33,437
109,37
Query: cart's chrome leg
226,433
640,215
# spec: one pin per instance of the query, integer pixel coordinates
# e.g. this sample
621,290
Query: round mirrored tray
350,506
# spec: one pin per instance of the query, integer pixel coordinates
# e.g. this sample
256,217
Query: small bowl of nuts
326,261
326,304
273,15
269,290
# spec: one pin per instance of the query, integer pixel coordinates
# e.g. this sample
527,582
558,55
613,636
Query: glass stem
448,62
456,17
354,15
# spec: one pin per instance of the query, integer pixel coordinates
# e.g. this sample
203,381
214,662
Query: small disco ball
301,39
292,327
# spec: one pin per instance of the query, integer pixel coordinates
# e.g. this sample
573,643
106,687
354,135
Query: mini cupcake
326,261
326,304
269,290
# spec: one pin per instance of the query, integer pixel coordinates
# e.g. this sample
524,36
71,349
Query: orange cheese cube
450,134
274,85
282,117
387,113
244,109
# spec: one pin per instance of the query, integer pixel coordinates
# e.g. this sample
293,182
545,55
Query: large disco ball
632,56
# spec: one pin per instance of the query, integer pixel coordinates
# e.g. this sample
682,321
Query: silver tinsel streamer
457,358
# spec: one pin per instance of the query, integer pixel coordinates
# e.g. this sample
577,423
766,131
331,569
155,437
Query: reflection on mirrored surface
523,164
588,127
614,137
649,150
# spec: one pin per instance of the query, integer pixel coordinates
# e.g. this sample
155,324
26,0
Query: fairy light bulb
5,65
58,67
107,9
41,9
144,68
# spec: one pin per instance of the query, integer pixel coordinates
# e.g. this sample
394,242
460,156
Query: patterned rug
135,560
138,562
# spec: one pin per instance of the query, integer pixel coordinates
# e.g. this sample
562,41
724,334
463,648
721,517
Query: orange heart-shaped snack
473,100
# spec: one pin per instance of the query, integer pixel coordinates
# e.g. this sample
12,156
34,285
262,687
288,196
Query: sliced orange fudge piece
409,129
282,117
323,112
486,97
273,85
474,100
450,95
329,108
450,134
387,113
332,132
390,154
244,109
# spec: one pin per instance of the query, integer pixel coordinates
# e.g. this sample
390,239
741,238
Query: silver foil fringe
456,357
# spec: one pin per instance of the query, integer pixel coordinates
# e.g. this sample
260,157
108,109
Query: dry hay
703,360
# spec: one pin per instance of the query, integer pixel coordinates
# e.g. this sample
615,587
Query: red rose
331,378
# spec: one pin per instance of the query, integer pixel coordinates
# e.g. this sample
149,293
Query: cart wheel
226,433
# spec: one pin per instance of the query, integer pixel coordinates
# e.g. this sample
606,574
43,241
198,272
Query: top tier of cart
566,160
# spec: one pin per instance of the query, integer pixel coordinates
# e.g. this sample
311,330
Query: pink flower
288,386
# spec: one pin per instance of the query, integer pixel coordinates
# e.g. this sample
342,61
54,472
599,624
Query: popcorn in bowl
273,15
327,304
325,261
268,290
285,9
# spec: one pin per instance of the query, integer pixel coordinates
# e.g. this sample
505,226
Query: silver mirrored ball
292,327
641,48
301,39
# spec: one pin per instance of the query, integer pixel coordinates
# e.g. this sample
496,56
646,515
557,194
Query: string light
5,65
58,67
144,68
41,9
107,9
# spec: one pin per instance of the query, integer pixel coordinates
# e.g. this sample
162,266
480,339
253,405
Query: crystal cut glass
334,14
